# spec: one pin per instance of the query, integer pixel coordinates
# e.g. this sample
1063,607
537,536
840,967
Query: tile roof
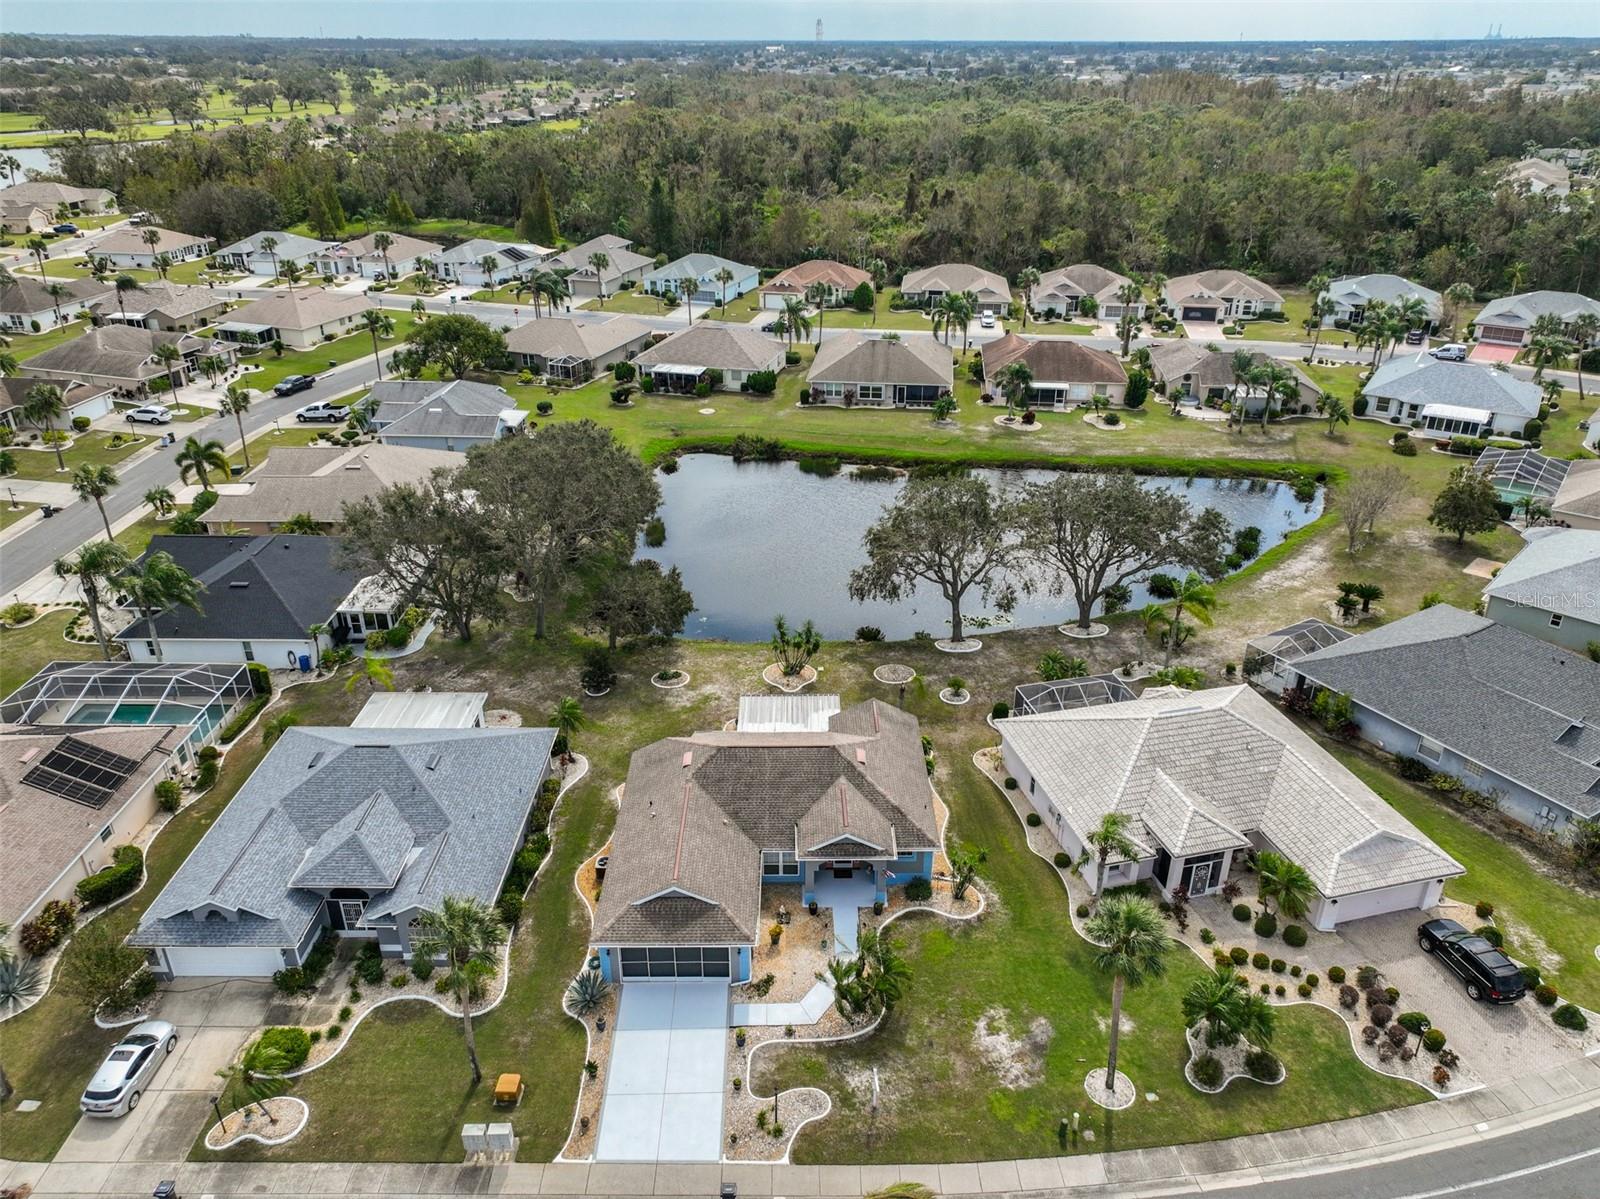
1226,284
697,811
176,300
131,240
1522,708
424,408
47,194
307,308
320,481
957,276
1052,360
1425,379
25,294
442,809
1523,309
1209,767
1079,279
1556,572
740,349
570,337
856,357
797,278
14,390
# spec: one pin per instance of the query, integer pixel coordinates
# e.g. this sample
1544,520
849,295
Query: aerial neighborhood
587,619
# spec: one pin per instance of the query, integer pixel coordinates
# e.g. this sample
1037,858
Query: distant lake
759,539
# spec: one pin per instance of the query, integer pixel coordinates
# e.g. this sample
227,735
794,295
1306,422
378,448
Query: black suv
1488,973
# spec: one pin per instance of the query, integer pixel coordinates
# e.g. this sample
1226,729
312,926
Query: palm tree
370,669
124,285
96,564
796,323
418,308
1016,383
724,277
1276,383
1584,330
57,291
1193,594
379,324
1285,883
292,274
1455,297
686,289
161,500
600,260
1412,313
1107,839
946,314
554,288
42,406
1243,365
468,935
151,236
568,721
1336,411
489,265
37,247
200,458
270,245
1133,947
381,242
169,357
235,403
163,264
257,1077
817,297
1322,307
1027,280
156,582
1213,999
1373,330
94,481
1129,294
213,365
11,165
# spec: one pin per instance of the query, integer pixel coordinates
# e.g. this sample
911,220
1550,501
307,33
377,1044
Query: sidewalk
1245,1161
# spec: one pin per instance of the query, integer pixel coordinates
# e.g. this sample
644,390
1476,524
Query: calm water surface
760,539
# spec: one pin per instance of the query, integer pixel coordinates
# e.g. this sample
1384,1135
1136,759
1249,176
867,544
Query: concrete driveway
1204,331
664,1082
215,1017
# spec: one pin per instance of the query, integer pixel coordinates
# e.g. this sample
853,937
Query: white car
151,414
1454,352
322,410
987,320
116,1086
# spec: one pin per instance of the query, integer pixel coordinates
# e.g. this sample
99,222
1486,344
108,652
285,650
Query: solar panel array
81,772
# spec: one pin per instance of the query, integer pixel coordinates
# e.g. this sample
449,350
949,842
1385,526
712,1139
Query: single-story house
1206,375
1065,373
568,348
24,217
703,269
1551,589
1509,320
123,357
363,831
422,710
1576,501
300,319
93,400
26,301
931,284
1061,292
1350,295
679,362
1219,296
318,481
1204,776
837,281
262,596
1451,397
1539,177
168,307
361,256
458,415
622,266
128,247
858,369
1269,659
253,257
54,197
843,813
464,264
1510,716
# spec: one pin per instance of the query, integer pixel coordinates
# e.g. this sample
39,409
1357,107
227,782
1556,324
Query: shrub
1207,937
1280,990
1266,925
1239,955
1415,1023
1263,1066
421,969
1484,909
1034,820
1433,1039
1413,770
117,879
1062,859
1367,977
1312,979
1241,913
369,969
1294,936
919,890
1370,1035
1260,961
763,383
1218,956
1349,996
1207,1071
1397,1035
1491,934
291,980
1380,1014
168,795
1441,1077
293,1043
1279,965
1266,988
1294,970
1570,1016
509,906
398,979
1531,977
241,719
1305,990
1011,783
1336,974
333,1032
1406,448
1000,710
315,1034
1546,995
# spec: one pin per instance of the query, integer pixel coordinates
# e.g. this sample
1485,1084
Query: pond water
760,539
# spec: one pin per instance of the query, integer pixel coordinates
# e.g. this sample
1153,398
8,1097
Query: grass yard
1047,327
26,345
1297,307
334,353
92,448
23,653
417,285
10,516
883,317
196,272
1547,920
640,303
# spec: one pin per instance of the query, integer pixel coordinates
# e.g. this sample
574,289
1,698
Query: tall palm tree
57,291
235,403
1027,280
686,289
161,500
94,481
1192,595
489,265
944,314
292,274
1284,883
1243,364
724,277
1133,947
169,357
1107,840
1016,381
1276,383
1335,411
1130,293
600,260
382,242
155,583
163,264
379,324
817,298
124,285
11,165
42,406
1456,296
966,308
37,247
1373,330
1322,307
1585,329
200,458
1412,313
270,245
95,565
151,236
568,721
468,935
796,322
554,288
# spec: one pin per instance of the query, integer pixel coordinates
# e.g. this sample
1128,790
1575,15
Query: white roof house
933,282
1539,176
1452,397
251,253
1551,589
1202,775
1352,293
1509,320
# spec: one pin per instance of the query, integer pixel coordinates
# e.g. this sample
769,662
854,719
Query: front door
350,912
1200,878
844,870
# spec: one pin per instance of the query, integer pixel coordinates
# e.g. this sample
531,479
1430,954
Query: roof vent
316,760
861,755
688,758
238,584
433,761
28,754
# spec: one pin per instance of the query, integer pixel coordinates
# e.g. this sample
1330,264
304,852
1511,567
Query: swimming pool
134,712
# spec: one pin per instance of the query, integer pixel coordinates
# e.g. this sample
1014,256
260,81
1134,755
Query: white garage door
238,962
1376,903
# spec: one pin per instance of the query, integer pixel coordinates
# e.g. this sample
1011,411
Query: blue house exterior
703,268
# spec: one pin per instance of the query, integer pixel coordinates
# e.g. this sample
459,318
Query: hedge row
116,880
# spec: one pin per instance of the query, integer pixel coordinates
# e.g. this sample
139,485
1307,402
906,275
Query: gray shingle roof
116,352
1522,310
957,276
1520,707
307,309
320,481
1052,360
857,358
567,337
131,240
1359,290
697,812
1226,283
716,346
1079,279
622,259
698,266
1428,380
325,800
1558,572
25,294
290,245
175,300
1198,771
423,408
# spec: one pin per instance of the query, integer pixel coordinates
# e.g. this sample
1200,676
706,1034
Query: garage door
1385,899
1199,314
692,961
239,962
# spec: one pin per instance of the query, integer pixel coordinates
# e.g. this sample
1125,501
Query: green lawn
640,303
26,345
884,317
195,271
10,516
1043,327
1531,905
413,285
1297,307
91,448
313,362
23,652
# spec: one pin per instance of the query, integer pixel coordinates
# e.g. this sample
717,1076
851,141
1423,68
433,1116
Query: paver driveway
668,1061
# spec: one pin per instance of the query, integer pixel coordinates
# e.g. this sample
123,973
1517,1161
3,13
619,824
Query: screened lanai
1064,694
1519,473
1267,658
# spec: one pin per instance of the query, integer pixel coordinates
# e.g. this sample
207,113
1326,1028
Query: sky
843,20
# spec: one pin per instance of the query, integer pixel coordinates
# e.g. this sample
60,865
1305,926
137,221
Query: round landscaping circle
897,675
597,694
708,412
955,697
1095,629
967,645
1122,1095
1014,423
251,1124
773,676
675,680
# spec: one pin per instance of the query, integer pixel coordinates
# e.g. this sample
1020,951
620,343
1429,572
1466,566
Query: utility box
501,1139
475,1139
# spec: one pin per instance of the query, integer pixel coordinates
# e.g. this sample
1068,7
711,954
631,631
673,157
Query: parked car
292,383
986,320
322,410
772,326
1487,973
116,1086
65,227
1414,337
1454,352
151,414
139,218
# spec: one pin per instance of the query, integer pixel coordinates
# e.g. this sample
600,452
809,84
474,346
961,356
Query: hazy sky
777,20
